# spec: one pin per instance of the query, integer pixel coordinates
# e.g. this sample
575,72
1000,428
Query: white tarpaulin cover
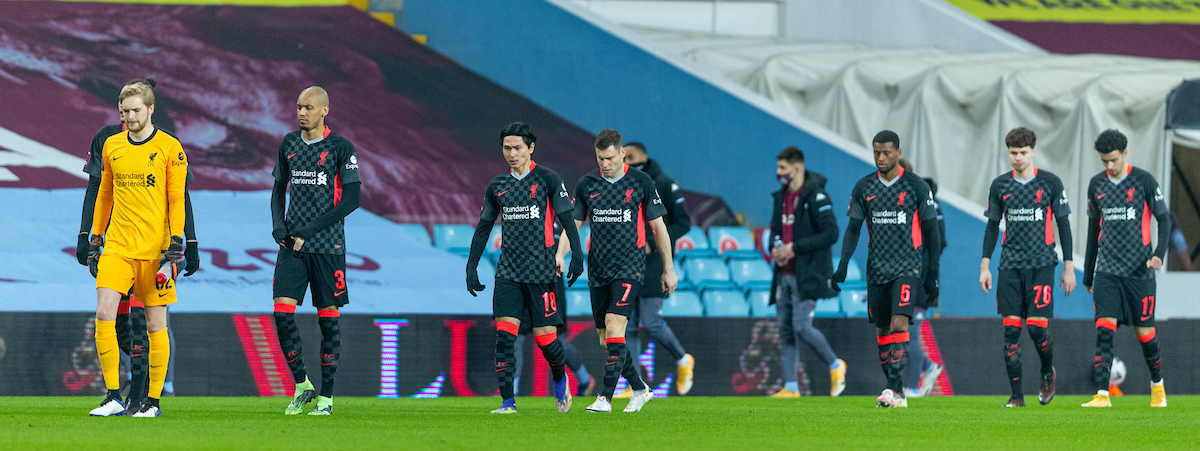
952,110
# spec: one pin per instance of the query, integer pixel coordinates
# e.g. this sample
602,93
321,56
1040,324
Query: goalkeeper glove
192,255
172,261
93,255
81,248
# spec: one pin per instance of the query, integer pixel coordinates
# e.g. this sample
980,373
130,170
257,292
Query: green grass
963,422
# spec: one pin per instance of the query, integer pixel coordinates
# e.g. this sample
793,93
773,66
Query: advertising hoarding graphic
389,357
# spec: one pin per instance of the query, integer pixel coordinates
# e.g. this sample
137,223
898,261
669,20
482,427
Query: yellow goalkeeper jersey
140,205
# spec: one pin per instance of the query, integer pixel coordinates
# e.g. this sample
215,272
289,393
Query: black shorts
325,273
1130,301
1026,292
536,301
885,300
561,311
617,297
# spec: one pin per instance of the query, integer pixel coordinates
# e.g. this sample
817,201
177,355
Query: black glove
473,284
575,270
81,248
93,254
173,257
192,254
931,285
281,237
839,276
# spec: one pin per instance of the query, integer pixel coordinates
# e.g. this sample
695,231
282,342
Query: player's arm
176,211
351,200
85,223
487,219
826,226
1093,240
991,233
856,213
662,240
579,211
1162,214
1062,220
931,237
560,199
191,253
103,212
282,174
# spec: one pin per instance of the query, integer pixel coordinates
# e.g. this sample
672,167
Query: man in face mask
803,229
650,299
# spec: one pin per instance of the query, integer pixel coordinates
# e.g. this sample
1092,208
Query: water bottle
778,242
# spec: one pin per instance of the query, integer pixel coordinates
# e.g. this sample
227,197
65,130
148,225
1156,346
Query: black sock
885,357
139,355
290,342
1153,358
331,348
1045,347
123,333
897,362
1104,357
506,361
1012,357
613,367
554,353
630,371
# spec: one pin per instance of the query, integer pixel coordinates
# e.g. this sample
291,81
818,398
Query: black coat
814,231
677,221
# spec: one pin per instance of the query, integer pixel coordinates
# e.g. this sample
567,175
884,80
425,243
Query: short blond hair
143,87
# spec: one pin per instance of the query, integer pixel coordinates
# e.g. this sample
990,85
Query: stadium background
422,90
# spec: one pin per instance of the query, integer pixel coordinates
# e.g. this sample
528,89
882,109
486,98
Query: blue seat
725,303
733,242
579,301
829,308
853,271
751,274
583,278
693,244
487,271
708,273
492,249
759,307
682,303
853,299
455,239
417,231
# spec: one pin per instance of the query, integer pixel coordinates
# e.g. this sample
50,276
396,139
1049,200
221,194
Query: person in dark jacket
650,299
803,229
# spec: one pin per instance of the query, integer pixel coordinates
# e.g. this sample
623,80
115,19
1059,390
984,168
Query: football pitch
963,422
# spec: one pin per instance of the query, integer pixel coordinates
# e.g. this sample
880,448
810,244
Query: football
1117,375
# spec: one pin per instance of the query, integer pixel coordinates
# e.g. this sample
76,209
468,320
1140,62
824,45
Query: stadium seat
487,270
732,242
751,274
725,303
829,308
417,231
455,239
853,271
759,307
693,244
708,273
681,303
853,299
585,236
762,242
492,250
579,301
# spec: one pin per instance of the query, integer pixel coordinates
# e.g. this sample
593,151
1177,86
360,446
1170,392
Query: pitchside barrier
434,355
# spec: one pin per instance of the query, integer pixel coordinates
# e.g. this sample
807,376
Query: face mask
784,179
642,166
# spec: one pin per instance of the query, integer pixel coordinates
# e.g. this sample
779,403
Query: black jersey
1125,207
1028,208
317,171
526,206
893,212
619,211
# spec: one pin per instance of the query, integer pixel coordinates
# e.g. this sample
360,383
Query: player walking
903,226
131,316
322,170
619,202
1028,200
527,200
1119,265
139,219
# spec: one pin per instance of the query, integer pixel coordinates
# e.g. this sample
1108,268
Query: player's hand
93,255
473,284
1067,281
560,265
931,284
81,249
1089,288
281,237
1154,263
576,269
839,276
985,279
669,282
173,257
297,243
192,255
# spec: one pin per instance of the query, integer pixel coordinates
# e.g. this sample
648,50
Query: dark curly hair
1111,141
1020,137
